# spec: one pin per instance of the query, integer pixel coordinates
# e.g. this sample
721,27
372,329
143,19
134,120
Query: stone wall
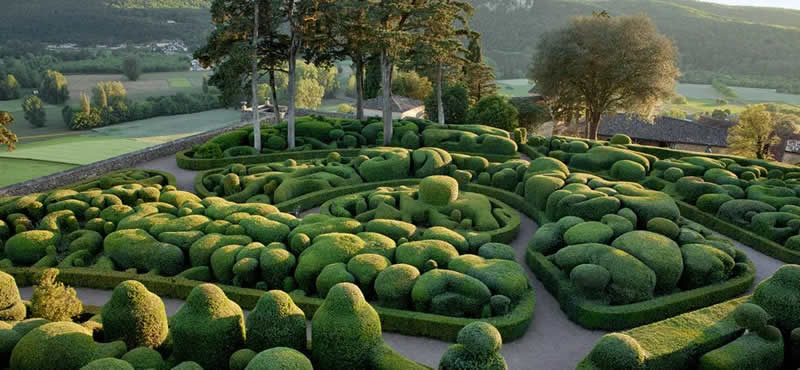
128,160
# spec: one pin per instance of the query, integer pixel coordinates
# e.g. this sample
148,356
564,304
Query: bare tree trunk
593,125
779,150
274,89
254,83
292,90
359,89
439,103
386,73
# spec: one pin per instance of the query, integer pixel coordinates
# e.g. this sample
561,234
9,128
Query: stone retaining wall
128,160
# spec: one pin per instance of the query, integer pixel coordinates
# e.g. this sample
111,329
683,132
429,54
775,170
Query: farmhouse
667,132
402,107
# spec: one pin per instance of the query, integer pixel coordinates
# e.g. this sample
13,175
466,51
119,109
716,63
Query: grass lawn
514,88
55,152
332,105
179,83
149,84
19,170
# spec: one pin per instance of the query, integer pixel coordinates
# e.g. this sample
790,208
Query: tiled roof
665,129
400,104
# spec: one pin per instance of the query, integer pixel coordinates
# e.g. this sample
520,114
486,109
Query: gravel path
552,341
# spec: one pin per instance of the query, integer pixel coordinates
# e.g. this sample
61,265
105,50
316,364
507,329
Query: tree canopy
757,132
601,65
7,137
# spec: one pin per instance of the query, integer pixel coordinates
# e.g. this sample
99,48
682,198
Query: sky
793,4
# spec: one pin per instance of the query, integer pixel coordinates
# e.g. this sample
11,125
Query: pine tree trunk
292,90
386,74
439,103
359,90
254,83
273,88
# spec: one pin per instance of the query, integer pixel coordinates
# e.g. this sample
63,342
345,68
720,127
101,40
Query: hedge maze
412,238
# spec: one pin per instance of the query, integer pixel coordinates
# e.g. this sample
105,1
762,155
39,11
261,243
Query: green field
148,84
53,151
19,170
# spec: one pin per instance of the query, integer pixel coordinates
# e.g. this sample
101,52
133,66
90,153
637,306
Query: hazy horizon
790,4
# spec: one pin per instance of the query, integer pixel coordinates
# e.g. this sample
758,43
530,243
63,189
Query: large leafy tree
438,47
34,111
600,65
344,29
478,76
244,43
7,137
755,133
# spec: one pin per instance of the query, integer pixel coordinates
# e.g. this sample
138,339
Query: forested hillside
91,22
744,46
742,41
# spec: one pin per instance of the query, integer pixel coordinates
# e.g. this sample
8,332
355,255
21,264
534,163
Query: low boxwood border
171,180
185,161
709,328
505,234
591,315
511,326
596,316
732,231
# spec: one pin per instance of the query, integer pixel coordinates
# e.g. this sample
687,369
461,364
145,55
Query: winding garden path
551,342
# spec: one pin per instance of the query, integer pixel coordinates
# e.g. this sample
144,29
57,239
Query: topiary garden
413,238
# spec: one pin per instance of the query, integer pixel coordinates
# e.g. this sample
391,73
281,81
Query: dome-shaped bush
590,279
10,301
66,344
345,330
241,358
620,139
438,190
276,322
780,297
750,317
108,363
477,349
280,358
393,285
135,316
617,351
208,328
144,358
627,170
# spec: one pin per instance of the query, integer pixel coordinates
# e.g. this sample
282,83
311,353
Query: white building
402,107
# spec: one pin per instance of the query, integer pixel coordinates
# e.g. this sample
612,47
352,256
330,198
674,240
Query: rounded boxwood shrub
366,267
10,298
108,363
780,297
451,293
588,232
208,328
620,139
438,190
497,251
477,347
617,351
590,279
64,343
627,170
750,317
331,275
704,265
663,226
144,358
280,358
673,174
393,285
345,330
26,248
135,316
276,322
659,253
241,358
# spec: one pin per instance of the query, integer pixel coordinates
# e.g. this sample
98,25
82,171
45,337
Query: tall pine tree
478,76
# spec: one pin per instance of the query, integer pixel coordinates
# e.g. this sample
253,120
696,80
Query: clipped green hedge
186,161
169,179
746,237
511,326
678,342
595,316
